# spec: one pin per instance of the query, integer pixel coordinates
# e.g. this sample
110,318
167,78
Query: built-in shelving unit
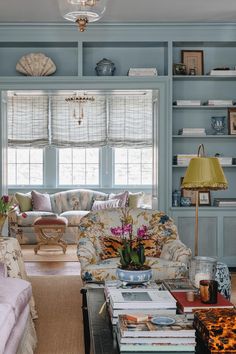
76,55
205,87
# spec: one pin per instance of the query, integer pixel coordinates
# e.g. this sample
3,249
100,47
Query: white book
142,72
220,102
149,70
223,72
160,340
193,129
140,298
225,160
188,102
154,311
137,347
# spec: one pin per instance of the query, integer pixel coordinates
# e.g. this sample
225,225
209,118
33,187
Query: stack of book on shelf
142,72
192,131
219,102
225,161
225,202
188,308
225,72
216,329
155,334
142,300
183,159
187,103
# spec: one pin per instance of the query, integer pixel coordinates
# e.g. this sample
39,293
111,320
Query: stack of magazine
155,334
138,300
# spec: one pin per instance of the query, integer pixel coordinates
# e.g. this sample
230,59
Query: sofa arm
175,250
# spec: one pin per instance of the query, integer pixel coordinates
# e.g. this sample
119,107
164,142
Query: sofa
17,333
97,247
71,204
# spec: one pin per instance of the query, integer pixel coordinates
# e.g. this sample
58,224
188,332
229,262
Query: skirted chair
97,246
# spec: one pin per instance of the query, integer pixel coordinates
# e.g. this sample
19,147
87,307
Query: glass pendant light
82,11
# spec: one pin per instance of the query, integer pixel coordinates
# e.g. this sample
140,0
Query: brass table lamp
203,173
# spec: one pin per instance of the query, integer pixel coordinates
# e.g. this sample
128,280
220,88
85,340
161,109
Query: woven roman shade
28,121
130,121
65,131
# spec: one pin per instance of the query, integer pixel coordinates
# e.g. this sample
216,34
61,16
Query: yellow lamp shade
204,173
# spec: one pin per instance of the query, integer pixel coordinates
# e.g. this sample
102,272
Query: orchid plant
5,205
132,252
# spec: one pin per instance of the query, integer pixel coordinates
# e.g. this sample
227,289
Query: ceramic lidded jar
105,67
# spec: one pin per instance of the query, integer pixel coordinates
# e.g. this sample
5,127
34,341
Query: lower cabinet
217,231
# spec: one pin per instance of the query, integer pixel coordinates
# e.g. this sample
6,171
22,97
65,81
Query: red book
186,306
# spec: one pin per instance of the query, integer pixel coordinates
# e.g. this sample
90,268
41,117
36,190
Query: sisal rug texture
59,326
49,254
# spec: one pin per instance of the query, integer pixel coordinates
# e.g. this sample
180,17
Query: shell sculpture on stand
36,64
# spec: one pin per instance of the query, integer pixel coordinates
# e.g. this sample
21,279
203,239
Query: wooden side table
49,231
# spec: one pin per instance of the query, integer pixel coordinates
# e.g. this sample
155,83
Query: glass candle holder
202,268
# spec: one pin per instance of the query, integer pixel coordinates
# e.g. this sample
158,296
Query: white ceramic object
36,64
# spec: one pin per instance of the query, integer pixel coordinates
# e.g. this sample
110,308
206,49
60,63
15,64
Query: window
25,166
132,166
78,166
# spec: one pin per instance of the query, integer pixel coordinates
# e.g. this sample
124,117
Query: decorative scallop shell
36,64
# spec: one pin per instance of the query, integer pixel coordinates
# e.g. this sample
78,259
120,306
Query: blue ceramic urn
105,67
134,276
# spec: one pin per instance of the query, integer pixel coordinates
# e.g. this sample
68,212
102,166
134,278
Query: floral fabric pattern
171,255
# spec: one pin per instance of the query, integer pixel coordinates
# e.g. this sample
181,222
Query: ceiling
125,11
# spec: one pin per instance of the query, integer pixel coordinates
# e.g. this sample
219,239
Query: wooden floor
52,268
73,268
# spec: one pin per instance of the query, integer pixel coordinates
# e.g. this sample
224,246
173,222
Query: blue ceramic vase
105,67
134,276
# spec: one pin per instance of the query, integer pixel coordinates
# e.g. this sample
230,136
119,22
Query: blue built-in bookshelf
145,45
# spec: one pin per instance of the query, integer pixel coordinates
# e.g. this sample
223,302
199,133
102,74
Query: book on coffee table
180,328
140,298
186,306
183,284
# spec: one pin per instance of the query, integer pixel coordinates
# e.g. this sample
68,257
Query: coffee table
99,334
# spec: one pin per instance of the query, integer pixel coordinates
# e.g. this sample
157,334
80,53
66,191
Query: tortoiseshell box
217,329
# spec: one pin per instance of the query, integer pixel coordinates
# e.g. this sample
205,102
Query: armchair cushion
110,246
161,268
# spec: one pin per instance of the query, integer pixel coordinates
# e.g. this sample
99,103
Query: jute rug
59,326
49,254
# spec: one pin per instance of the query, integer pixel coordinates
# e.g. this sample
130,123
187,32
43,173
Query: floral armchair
97,248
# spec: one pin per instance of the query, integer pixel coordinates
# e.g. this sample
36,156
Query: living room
76,129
